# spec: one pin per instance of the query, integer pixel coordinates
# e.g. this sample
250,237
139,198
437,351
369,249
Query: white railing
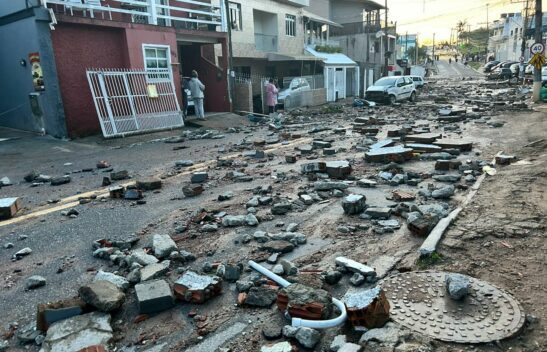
152,11
265,42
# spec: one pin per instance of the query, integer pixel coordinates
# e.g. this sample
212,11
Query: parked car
489,65
391,89
515,69
500,73
297,85
529,69
544,74
419,81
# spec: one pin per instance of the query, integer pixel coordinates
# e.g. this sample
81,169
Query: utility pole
406,45
231,80
386,45
538,39
523,46
488,32
434,48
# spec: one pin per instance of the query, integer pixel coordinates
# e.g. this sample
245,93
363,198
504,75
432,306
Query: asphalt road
456,70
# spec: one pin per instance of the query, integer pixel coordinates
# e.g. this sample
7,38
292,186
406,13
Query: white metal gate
134,101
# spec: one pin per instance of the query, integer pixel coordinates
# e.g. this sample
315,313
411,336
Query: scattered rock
163,245
271,332
155,270
261,297
357,279
278,246
354,204
457,286
308,337
103,295
338,342
154,296
34,281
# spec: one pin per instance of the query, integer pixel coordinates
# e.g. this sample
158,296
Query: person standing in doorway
196,90
271,95
185,89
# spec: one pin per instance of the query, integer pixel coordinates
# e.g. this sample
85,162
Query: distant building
505,42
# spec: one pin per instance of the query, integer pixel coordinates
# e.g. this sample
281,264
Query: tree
460,29
422,53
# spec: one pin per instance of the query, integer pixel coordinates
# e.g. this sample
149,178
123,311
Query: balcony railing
355,28
300,3
187,14
265,42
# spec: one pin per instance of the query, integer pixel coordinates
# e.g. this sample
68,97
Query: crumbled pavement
334,200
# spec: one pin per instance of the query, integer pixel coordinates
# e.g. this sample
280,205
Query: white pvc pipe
297,322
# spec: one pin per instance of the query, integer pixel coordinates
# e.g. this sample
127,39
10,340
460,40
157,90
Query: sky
442,15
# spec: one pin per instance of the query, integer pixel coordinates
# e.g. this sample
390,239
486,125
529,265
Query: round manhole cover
419,302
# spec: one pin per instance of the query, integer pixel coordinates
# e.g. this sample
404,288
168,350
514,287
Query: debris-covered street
144,243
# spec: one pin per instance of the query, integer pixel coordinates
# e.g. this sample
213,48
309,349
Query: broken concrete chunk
57,181
444,192
22,253
119,175
141,257
307,337
120,281
261,297
355,267
34,281
389,334
199,177
9,207
367,308
447,178
132,194
154,296
103,295
278,347
338,342
366,183
79,332
315,167
155,270
288,267
379,213
381,155
350,347
278,246
193,190
281,208
149,184
354,204
457,286
461,144
184,163
329,186
338,169
50,313
162,245
357,279
195,288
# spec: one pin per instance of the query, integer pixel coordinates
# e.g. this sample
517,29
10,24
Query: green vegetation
427,261
473,42
328,49
422,53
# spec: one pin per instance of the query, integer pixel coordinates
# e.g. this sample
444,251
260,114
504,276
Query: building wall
346,12
78,47
243,41
19,39
320,8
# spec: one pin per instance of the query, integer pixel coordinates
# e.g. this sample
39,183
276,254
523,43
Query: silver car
391,90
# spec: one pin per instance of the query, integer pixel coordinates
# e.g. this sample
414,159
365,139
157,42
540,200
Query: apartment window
157,58
235,16
290,25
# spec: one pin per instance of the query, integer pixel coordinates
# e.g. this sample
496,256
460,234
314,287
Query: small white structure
341,74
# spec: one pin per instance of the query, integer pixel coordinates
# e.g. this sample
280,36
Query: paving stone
77,333
149,184
119,175
461,144
257,154
366,183
132,194
57,181
354,204
378,212
329,151
102,295
9,207
427,138
338,169
381,155
329,186
315,167
447,178
184,163
154,296
155,270
291,159
120,281
355,267
162,245
199,177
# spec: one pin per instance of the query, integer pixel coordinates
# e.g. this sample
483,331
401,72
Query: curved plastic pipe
297,322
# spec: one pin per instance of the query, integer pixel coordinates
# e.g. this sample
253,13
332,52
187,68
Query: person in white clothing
196,89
